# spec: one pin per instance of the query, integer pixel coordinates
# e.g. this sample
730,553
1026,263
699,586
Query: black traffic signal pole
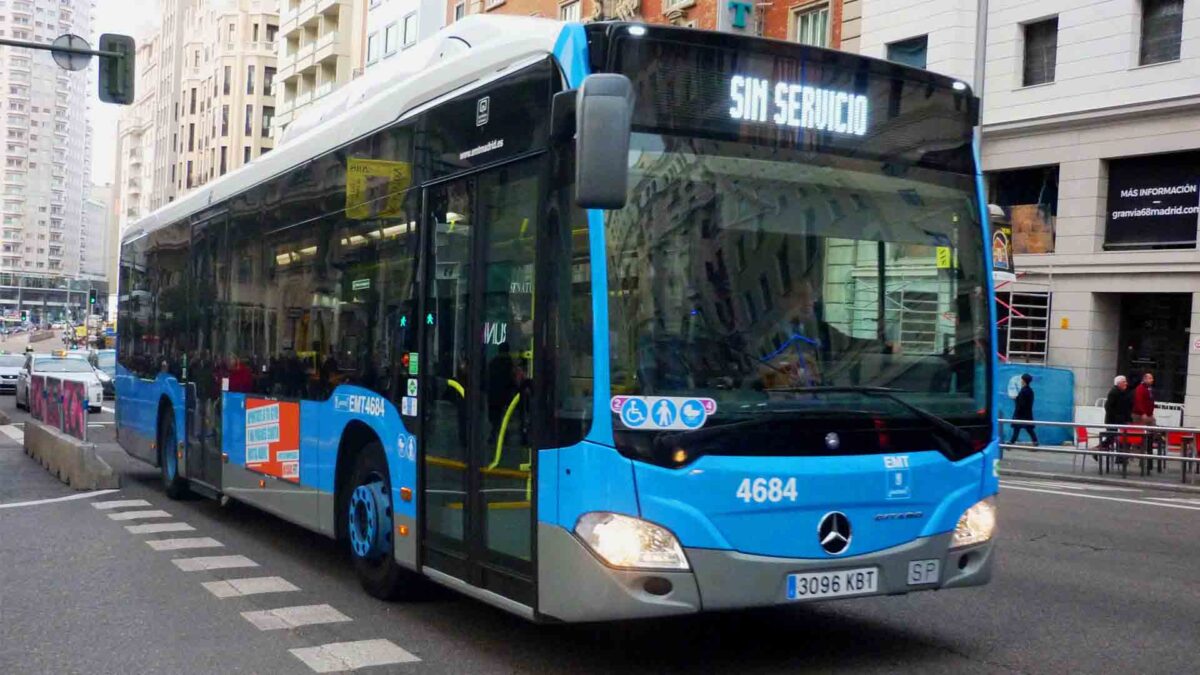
61,50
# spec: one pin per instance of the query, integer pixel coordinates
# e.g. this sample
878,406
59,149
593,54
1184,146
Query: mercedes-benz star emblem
832,441
834,532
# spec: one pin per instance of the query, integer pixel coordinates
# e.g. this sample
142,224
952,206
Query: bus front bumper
574,585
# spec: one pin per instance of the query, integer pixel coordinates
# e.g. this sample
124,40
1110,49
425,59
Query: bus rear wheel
370,529
168,457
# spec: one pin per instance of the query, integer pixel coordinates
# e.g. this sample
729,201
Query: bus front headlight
976,525
622,541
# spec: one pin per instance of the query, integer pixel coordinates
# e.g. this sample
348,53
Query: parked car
105,363
10,367
65,367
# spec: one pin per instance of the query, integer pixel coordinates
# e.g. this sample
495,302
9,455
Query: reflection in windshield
734,272
11,361
65,365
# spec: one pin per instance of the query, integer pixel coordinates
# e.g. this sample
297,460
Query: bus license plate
812,585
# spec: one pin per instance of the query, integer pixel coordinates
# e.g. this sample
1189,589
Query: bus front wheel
369,527
168,457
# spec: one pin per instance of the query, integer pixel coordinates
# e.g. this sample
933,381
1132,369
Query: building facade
47,169
824,23
1090,144
395,25
135,166
317,48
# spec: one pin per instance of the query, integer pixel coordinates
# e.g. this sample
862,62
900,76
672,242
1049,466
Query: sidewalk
1061,466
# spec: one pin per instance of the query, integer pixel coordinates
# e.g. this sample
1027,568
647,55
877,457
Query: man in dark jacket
1118,408
1024,411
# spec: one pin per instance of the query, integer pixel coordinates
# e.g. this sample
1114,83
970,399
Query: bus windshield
741,273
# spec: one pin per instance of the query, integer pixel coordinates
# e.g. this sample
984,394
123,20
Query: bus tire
367,515
168,458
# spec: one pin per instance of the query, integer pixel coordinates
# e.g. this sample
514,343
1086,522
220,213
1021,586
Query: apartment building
318,44
47,165
1091,114
824,23
134,173
395,25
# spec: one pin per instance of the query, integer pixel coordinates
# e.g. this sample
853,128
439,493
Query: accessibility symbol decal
662,412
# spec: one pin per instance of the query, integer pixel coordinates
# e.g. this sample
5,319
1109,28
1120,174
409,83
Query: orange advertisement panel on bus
273,438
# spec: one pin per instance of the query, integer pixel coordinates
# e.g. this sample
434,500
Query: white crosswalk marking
233,588
340,656
187,542
120,504
108,410
155,528
13,432
291,617
214,562
139,515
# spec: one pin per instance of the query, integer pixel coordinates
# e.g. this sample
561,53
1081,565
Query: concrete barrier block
71,460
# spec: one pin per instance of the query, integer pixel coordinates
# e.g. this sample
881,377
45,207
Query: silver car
65,367
10,367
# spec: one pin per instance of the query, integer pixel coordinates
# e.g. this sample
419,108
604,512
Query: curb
1096,480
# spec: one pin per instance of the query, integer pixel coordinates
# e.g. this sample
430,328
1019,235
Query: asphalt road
1089,579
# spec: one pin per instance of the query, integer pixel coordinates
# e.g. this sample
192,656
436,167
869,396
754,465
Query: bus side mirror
603,119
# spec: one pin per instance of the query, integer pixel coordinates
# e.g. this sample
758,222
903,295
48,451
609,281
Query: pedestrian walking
1023,410
1143,401
1118,409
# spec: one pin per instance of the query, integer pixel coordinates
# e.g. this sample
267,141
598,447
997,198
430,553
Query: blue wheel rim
370,521
169,457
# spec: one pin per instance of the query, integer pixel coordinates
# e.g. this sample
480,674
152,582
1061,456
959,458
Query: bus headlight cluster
622,541
976,525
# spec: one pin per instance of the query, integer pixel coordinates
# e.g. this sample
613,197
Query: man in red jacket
1143,401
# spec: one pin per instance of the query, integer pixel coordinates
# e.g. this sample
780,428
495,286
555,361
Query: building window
460,10
1041,45
254,32
391,39
228,76
269,81
1029,198
268,114
272,31
192,106
372,47
249,127
910,52
191,137
246,155
231,29
569,11
225,120
410,29
249,79
811,26
223,159
1162,31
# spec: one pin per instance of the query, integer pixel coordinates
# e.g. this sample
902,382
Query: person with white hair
1118,406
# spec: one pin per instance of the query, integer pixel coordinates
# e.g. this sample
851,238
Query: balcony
19,65
327,47
287,72
327,6
282,107
304,99
323,90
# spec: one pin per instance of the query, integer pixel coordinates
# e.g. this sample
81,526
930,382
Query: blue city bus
590,322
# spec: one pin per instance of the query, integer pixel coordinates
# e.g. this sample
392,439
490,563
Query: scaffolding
1023,319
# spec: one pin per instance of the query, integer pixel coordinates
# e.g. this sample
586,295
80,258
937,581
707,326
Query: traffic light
91,299
116,72
24,316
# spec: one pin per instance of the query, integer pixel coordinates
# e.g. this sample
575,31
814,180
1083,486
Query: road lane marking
186,542
68,498
293,617
108,410
155,528
1109,499
234,588
120,504
139,515
1067,486
340,656
13,433
1177,500
213,562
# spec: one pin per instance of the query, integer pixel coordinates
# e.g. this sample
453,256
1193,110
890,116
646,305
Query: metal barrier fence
1149,445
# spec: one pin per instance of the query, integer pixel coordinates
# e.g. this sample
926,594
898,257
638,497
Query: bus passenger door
479,341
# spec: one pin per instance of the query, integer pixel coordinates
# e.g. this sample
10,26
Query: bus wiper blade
939,423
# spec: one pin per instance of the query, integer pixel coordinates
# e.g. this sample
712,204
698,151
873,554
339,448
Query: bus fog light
976,525
627,542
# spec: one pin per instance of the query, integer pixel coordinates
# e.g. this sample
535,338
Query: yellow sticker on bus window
375,188
944,257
